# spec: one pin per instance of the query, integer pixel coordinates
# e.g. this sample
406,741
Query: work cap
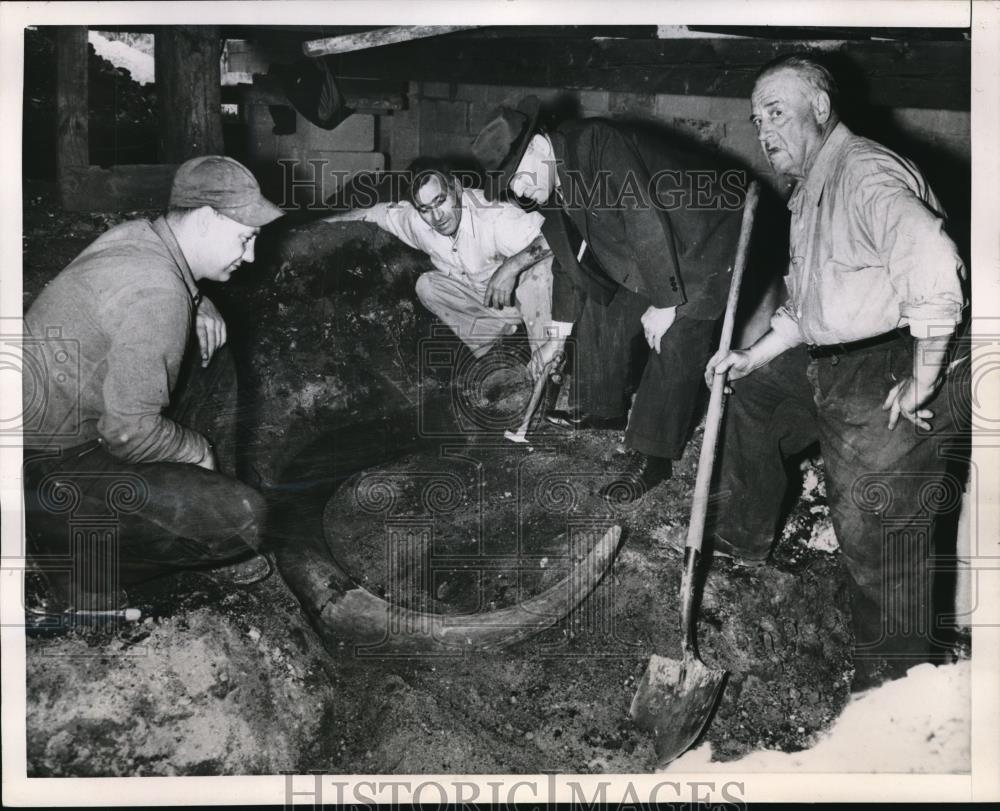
224,184
501,143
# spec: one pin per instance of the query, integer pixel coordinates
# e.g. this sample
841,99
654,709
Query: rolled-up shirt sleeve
148,330
516,229
786,325
923,262
399,219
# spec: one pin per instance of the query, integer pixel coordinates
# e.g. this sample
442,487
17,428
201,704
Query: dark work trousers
673,382
106,520
886,489
607,340
610,341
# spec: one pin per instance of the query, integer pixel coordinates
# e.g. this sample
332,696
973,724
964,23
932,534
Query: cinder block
437,144
947,130
433,90
244,57
710,133
262,143
728,108
356,133
318,173
405,144
471,92
594,102
444,116
638,105
510,95
671,106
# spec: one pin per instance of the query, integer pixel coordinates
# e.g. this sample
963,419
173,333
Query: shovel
675,699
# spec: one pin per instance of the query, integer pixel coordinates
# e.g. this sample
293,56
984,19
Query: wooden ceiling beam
922,74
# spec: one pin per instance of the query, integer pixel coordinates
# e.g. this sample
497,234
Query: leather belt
832,350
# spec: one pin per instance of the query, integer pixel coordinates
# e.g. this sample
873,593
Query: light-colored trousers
459,304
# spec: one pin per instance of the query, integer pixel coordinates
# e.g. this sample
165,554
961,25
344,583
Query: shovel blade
674,702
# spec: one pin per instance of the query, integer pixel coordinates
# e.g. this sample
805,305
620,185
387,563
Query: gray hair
815,74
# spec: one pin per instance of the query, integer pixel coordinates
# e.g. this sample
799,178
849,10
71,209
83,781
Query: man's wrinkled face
225,245
784,111
439,204
535,176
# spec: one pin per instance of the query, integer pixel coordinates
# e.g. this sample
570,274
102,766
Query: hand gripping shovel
675,699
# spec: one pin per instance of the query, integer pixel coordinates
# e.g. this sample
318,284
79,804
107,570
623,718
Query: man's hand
211,329
502,284
543,355
906,399
655,322
738,362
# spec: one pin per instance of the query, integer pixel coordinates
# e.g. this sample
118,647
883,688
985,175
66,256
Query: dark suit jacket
659,220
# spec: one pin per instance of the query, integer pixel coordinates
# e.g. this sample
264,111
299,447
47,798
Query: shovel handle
706,462
551,368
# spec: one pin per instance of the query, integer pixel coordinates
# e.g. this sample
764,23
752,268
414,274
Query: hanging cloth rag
311,89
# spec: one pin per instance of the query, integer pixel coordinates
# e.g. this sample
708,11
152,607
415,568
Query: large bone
345,613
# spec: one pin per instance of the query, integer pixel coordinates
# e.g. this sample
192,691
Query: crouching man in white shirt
492,266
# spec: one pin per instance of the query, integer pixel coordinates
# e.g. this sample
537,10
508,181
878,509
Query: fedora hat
501,143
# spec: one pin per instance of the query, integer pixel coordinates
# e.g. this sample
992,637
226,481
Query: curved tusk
344,612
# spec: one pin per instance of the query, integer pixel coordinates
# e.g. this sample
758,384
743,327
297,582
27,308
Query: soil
123,114
219,679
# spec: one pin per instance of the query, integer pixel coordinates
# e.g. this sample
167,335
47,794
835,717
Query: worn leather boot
575,420
641,474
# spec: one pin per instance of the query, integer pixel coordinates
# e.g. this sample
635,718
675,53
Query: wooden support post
72,143
189,88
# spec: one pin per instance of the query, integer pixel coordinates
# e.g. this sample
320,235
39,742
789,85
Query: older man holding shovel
859,358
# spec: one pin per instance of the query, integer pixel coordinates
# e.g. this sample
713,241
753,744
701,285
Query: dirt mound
209,683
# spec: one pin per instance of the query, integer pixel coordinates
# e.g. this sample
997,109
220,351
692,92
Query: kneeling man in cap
128,390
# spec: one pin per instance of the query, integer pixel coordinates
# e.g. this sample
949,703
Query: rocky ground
219,680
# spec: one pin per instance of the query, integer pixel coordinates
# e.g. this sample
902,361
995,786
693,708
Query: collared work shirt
488,234
867,252
104,344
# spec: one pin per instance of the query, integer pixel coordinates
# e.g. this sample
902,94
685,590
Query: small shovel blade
674,702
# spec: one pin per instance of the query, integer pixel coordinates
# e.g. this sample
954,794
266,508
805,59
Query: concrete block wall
303,168
443,118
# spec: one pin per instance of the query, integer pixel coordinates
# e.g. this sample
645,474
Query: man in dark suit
644,234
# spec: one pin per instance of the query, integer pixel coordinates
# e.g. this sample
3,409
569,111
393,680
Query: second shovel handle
713,420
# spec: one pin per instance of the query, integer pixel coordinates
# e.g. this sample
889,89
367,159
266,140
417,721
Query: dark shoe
738,557
255,569
574,420
641,474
